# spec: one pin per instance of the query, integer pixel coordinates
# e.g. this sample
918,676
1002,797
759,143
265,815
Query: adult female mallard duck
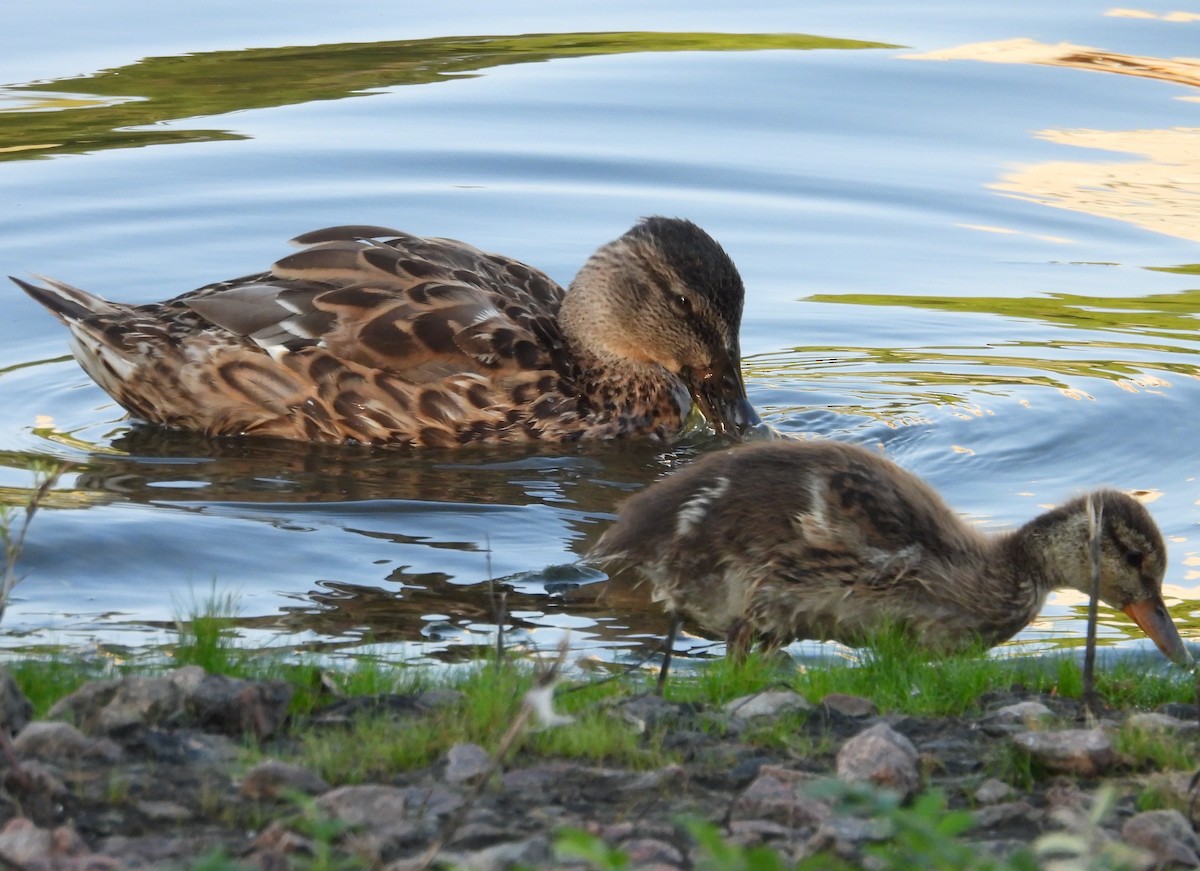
372,335
823,540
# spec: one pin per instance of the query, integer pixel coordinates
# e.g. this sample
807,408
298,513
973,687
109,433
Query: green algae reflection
1166,316
105,110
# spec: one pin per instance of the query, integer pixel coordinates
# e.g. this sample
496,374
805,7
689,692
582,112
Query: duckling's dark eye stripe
1127,550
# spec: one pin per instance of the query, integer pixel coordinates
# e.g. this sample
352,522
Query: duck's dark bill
1152,618
721,396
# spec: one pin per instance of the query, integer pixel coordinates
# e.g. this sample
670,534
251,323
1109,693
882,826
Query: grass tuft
207,636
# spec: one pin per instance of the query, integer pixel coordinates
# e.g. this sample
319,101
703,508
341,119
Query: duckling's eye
1134,558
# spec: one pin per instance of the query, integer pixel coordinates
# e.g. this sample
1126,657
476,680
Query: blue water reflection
937,256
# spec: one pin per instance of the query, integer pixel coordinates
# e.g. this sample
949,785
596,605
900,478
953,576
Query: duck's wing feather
419,308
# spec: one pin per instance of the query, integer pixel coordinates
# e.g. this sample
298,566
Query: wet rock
777,795
186,697
880,756
273,779
855,707
48,740
466,762
992,791
1082,752
1165,834
771,703
15,709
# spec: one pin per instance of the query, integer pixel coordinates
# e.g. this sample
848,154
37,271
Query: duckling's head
667,294
1132,557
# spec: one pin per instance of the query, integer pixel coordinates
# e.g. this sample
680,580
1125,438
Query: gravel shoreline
154,773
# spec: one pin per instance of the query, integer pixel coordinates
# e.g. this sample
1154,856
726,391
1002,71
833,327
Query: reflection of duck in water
823,540
376,336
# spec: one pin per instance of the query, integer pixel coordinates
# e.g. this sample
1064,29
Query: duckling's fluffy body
825,540
376,336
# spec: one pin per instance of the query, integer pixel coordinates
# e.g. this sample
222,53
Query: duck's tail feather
66,302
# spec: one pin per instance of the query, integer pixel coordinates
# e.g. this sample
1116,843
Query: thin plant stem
1095,515
13,534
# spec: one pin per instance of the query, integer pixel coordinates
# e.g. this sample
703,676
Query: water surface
967,237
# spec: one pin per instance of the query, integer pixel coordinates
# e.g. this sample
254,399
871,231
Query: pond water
968,235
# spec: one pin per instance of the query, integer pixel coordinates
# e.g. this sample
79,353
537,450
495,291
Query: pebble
465,762
776,795
1016,717
531,852
880,756
648,711
47,740
1082,752
362,805
847,705
1167,835
651,851
23,844
164,811
186,696
273,779
771,703
1005,812
992,791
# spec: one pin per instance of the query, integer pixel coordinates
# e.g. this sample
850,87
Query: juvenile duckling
372,335
822,540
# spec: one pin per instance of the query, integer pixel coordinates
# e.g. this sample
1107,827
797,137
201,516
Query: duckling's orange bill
1152,618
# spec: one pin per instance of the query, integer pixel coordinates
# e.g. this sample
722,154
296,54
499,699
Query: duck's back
367,334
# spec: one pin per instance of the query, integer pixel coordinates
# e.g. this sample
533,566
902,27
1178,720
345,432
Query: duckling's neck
1022,568
1051,550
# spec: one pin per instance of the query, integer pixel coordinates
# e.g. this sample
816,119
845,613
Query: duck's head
667,294
1133,562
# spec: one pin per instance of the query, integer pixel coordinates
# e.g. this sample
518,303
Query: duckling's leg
738,640
668,648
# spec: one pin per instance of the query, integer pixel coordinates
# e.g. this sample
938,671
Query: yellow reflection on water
1160,193
1156,16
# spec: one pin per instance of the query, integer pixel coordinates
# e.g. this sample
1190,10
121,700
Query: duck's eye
1134,558
683,303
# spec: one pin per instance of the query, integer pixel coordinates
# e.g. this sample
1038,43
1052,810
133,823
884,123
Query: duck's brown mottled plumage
824,540
376,336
